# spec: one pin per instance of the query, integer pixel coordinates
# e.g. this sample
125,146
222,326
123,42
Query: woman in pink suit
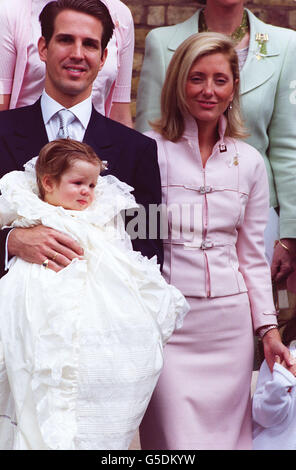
216,191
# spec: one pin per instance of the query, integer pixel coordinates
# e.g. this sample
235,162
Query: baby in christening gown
82,347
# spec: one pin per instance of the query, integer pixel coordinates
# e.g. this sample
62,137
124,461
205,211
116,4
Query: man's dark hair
91,7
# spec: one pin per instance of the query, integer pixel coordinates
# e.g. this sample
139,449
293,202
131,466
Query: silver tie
65,117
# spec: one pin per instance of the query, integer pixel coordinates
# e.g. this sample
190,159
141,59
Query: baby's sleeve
7,213
274,396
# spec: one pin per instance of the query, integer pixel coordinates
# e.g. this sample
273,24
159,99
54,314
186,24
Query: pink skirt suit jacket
202,400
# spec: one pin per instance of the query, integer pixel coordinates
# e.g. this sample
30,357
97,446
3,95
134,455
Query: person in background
22,74
266,56
216,190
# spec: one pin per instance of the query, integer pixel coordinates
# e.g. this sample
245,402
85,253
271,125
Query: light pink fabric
125,37
34,74
15,34
233,216
202,398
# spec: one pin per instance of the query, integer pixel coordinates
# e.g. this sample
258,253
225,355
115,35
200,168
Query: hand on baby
38,244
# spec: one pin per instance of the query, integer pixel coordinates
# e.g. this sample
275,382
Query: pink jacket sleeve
8,52
250,245
125,35
125,25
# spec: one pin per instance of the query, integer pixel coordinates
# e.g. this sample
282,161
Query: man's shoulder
11,117
122,132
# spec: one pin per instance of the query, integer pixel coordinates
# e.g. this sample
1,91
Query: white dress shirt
77,128
82,112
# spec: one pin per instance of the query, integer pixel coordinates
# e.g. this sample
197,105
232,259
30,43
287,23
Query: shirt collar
49,107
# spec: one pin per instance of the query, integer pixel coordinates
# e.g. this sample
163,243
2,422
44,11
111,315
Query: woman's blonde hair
173,96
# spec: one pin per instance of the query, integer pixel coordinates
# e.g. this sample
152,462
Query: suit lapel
98,136
183,31
29,134
256,72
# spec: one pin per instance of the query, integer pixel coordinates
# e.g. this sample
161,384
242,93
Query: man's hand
273,347
282,262
36,244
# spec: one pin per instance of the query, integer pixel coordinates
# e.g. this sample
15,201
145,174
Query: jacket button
205,189
206,244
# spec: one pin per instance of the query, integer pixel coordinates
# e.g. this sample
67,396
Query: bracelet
283,245
262,331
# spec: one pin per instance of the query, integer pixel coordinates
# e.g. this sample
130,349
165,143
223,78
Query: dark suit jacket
131,156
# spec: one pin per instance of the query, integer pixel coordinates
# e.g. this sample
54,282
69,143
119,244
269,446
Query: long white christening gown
81,349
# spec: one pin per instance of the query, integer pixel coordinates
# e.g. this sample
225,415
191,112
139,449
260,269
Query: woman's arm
151,82
251,255
250,240
120,108
4,102
282,156
8,55
121,112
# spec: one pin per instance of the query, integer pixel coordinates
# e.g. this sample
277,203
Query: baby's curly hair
57,156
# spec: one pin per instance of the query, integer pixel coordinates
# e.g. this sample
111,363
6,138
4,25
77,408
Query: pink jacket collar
191,128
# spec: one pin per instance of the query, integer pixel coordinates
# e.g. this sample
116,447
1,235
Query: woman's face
209,88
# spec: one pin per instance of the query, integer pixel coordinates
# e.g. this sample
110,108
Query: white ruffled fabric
82,347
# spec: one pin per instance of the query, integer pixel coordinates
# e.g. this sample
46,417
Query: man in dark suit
73,46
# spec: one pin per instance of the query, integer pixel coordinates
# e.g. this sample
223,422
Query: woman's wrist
288,244
263,330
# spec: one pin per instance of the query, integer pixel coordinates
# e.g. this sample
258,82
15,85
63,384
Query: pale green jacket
268,99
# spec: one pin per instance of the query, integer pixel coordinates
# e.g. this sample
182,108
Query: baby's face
76,188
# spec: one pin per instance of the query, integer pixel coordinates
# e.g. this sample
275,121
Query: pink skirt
202,399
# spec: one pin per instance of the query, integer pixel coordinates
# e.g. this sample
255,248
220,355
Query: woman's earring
230,105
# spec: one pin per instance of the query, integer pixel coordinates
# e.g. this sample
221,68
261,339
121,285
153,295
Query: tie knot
65,117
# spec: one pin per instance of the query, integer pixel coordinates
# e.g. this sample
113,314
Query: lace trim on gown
58,344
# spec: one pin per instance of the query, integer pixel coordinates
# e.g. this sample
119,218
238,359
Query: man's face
73,57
